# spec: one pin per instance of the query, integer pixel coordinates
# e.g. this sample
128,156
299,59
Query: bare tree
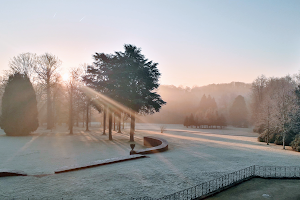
267,116
59,102
24,63
258,92
88,103
73,83
3,81
274,105
46,70
286,104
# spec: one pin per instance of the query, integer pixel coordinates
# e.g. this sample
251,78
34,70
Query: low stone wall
155,145
98,163
4,173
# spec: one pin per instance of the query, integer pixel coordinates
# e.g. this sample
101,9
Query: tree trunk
83,119
71,111
268,125
87,116
132,124
53,110
283,141
114,121
119,123
77,119
49,106
109,124
104,120
123,121
90,115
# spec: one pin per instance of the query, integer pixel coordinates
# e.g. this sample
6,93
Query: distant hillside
183,101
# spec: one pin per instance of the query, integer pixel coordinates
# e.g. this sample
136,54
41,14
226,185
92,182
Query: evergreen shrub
19,106
296,143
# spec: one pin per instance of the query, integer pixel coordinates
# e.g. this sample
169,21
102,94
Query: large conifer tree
19,106
203,104
238,112
128,78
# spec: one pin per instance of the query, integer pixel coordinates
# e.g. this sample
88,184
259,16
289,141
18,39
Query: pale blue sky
194,42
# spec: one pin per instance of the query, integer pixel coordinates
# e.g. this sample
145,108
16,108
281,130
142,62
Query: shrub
278,139
162,129
259,129
272,137
288,139
296,143
263,136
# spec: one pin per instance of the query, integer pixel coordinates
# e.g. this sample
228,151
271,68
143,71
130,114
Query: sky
195,42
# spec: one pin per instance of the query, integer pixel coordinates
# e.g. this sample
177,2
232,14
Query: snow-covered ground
194,156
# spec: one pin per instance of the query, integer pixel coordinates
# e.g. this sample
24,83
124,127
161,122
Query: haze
194,42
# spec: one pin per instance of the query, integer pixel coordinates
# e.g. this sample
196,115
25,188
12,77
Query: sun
65,77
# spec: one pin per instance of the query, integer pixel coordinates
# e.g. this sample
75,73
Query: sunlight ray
224,143
20,150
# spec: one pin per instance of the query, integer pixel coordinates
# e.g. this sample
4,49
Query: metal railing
209,188
277,172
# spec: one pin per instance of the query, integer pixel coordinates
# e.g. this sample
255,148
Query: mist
183,101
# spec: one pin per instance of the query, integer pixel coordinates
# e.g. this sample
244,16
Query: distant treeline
211,120
207,115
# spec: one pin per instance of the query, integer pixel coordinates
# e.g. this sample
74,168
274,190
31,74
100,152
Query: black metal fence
277,172
209,188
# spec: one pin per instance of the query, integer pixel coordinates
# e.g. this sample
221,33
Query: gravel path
194,156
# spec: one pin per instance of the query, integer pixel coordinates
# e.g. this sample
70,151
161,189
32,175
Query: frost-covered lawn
194,156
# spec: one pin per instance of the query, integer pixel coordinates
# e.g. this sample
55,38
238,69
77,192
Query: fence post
222,181
228,179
